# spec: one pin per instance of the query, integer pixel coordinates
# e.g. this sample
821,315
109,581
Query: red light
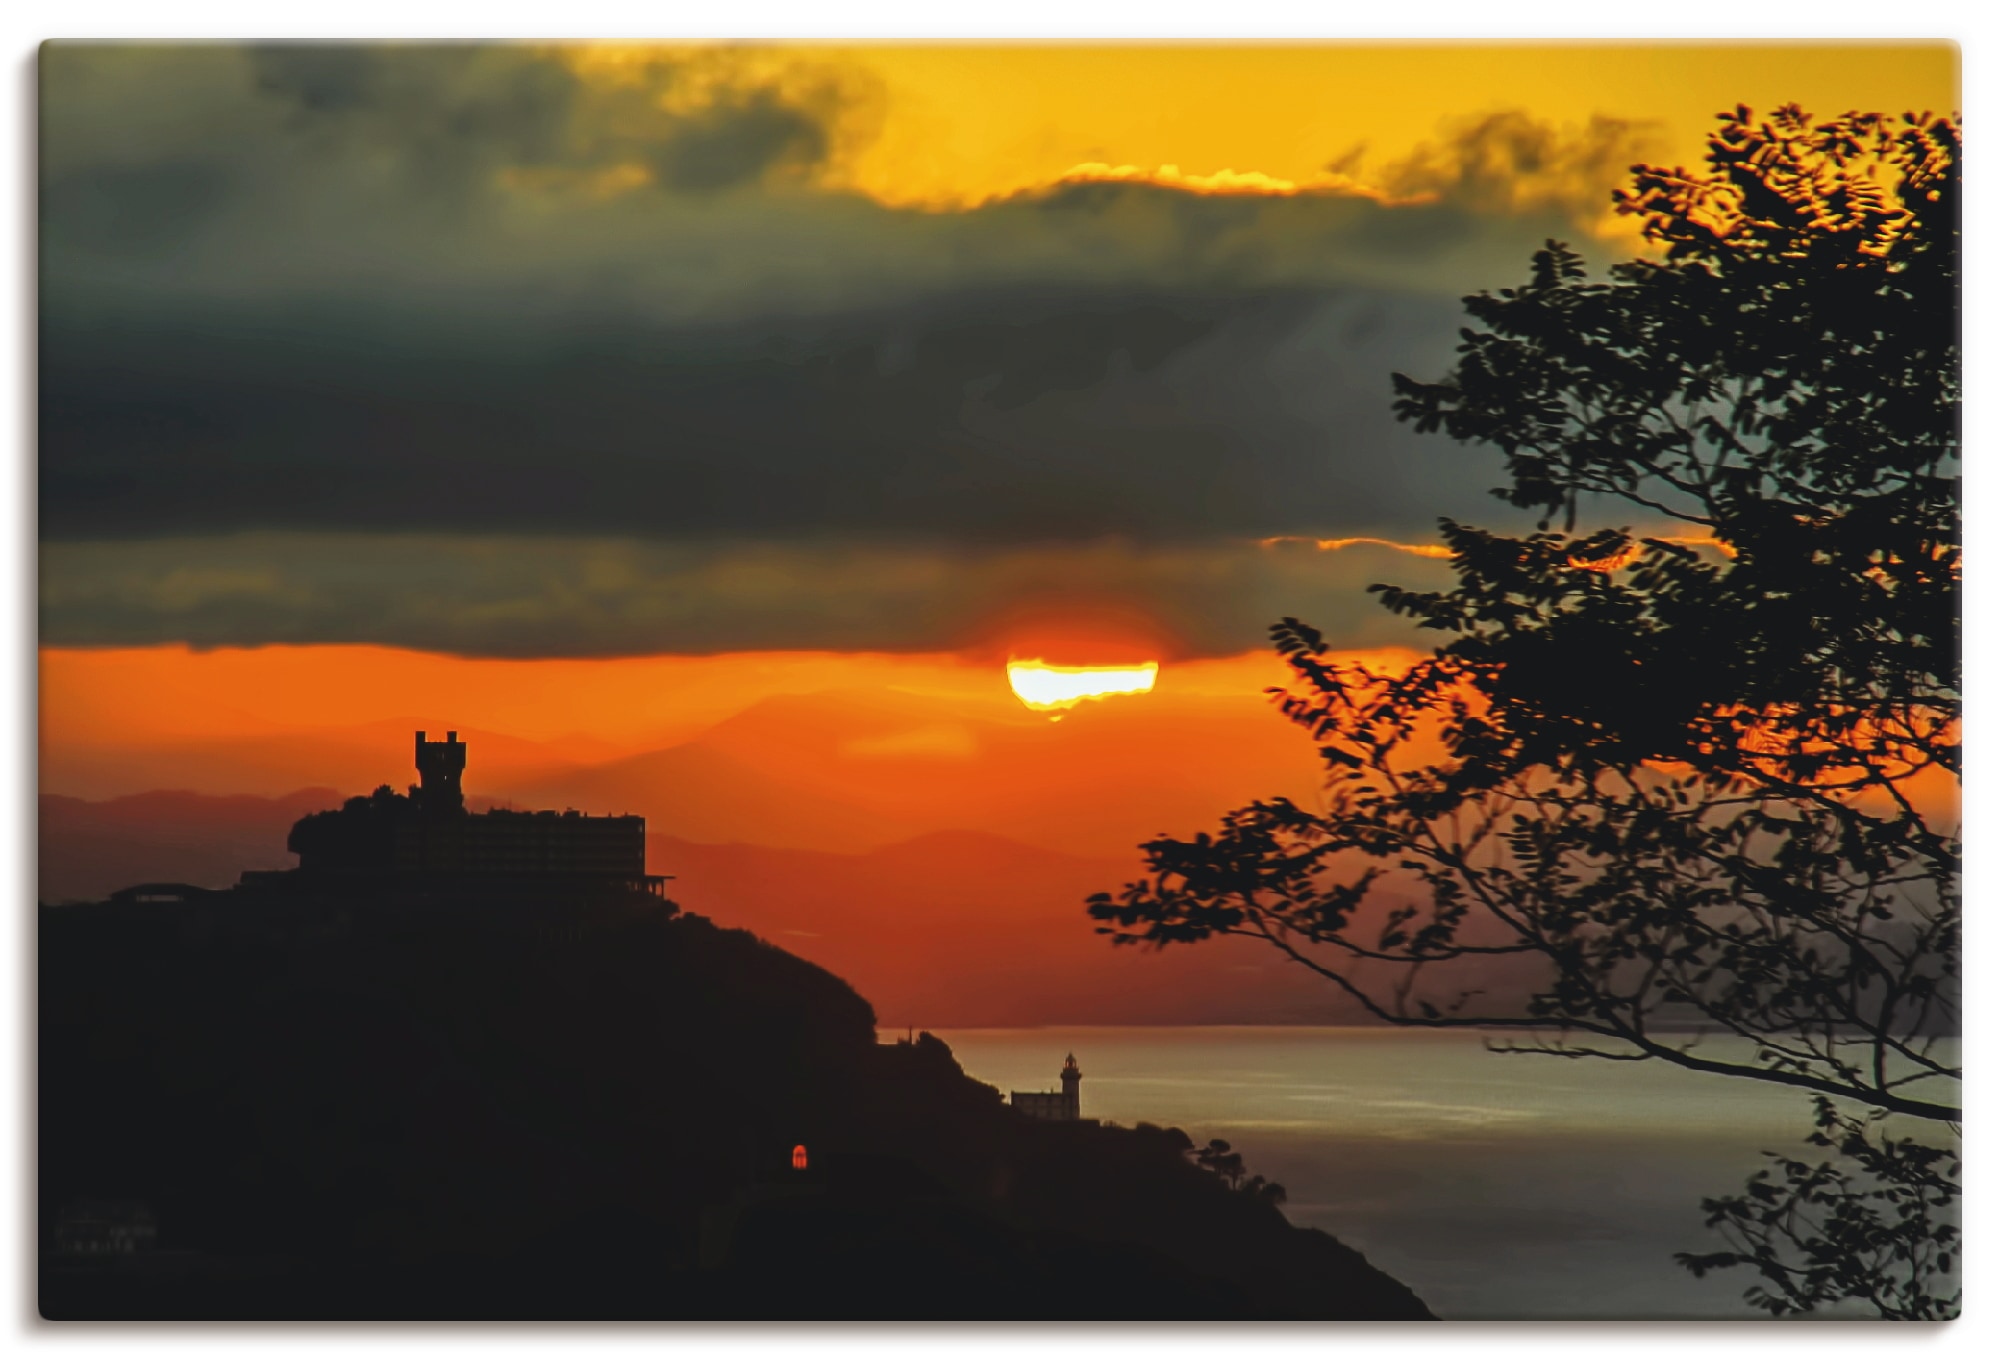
799,1157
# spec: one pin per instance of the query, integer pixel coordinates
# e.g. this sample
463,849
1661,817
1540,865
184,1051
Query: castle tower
441,767
1072,1086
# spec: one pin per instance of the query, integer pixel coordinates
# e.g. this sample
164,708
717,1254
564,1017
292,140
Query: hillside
337,1107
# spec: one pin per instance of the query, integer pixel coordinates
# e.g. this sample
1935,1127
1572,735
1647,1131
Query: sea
1497,1186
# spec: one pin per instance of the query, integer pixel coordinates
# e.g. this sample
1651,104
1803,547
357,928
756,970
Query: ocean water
1496,1186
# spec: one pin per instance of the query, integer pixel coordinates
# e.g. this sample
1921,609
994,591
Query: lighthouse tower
1047,1105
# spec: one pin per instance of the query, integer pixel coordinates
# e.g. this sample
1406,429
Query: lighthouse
1049,1107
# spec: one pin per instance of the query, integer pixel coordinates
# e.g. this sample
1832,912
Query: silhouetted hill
950,929
339,1107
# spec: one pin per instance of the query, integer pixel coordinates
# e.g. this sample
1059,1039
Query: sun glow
1055,688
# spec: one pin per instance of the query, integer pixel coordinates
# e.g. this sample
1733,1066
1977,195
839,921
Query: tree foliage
360,832
1875,1224
1226,1165
1692,777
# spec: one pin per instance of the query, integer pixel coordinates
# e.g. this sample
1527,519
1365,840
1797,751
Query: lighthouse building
1051,1107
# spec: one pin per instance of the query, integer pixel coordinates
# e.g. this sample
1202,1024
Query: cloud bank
323,326
547,596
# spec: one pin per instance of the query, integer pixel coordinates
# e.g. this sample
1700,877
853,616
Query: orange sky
796,750
969,120
810,750
167,695
951,125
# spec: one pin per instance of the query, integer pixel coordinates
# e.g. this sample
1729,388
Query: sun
1056,688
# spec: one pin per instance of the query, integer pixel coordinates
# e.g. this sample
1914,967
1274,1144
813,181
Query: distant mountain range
842,770
958,929
90,849
852,770
272,763
935,851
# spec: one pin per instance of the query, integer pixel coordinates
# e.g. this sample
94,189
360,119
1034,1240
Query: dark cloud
127,209
1507,159
446,109
739,140
319,77
1068,414
543,596
433,291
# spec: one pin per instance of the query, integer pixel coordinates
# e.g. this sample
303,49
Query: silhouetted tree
1217,1159
1264,1191
362,831
1878,1224
1697,779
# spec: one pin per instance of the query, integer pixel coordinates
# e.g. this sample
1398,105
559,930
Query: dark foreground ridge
321,1103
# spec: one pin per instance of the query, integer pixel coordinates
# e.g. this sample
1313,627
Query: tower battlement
441,773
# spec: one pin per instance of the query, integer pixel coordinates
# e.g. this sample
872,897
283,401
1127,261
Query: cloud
740,140
318,294
1059,413
695,121
544,596
1504,162
1508,161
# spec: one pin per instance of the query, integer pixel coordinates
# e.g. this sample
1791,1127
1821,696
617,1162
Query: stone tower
1072,1086
441,766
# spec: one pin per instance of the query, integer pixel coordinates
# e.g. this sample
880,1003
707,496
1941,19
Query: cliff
338,1109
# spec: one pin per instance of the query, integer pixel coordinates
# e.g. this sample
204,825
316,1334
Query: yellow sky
962,123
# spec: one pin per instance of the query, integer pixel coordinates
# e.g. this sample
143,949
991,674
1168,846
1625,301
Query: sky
516,351
610,400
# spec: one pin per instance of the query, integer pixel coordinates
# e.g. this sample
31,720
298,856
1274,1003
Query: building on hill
429,836
1050,1106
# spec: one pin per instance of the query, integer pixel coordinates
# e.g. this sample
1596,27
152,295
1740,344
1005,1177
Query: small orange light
799,1157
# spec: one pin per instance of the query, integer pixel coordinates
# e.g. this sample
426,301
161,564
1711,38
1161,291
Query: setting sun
1047,688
